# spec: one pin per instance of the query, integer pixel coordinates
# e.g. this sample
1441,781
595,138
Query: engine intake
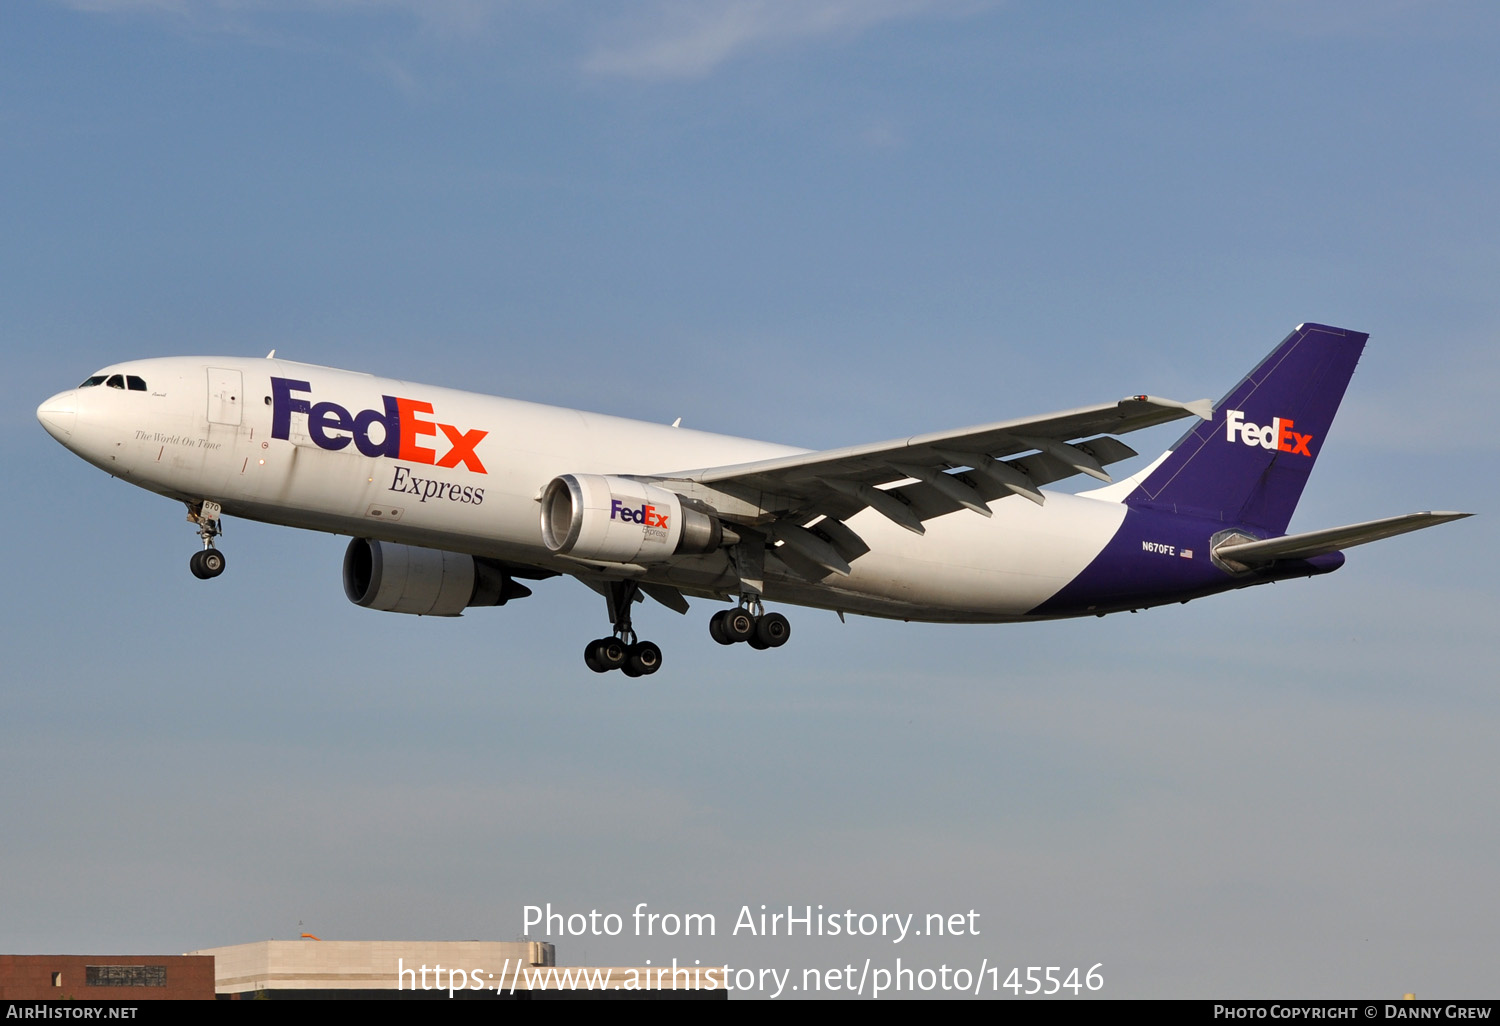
426,582
621,520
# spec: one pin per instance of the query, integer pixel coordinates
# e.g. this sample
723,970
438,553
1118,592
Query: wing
803,500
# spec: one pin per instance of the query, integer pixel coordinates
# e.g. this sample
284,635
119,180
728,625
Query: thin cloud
882,136
446,18
1371,19
178,7
676,39
662,39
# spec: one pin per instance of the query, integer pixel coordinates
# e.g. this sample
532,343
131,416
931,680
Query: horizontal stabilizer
1201,408
1332,539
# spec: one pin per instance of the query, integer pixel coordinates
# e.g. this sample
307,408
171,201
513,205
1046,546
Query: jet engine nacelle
427,582
620,520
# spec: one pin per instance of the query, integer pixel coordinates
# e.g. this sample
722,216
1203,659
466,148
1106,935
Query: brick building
128,978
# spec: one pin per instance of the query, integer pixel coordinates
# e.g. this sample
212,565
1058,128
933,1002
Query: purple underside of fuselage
1157,558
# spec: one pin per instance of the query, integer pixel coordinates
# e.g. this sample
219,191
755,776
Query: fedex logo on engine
332,427
1276,435
647,515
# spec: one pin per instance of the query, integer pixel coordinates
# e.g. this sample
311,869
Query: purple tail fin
1249,464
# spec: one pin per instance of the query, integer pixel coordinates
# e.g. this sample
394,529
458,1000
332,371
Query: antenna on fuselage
271,355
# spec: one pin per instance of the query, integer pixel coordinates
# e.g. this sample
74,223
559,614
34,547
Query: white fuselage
203,428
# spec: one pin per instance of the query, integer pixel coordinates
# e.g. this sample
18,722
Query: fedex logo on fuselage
647,515
402,428
1276,435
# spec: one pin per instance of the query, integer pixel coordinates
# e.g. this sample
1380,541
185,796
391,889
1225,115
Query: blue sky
819,223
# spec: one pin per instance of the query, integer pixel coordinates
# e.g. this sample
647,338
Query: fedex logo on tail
402,427
647,515
1276,435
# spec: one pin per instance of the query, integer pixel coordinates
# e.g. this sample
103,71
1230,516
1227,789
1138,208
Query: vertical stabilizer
1249,464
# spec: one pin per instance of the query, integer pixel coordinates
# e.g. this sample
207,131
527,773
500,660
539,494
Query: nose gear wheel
208,563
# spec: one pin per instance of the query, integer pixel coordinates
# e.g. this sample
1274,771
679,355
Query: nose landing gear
208,563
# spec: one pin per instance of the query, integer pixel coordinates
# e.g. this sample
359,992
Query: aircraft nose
59,414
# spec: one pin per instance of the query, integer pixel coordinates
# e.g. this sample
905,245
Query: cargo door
225,396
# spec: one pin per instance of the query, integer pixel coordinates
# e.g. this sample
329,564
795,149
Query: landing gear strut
209,562
622,651
751,624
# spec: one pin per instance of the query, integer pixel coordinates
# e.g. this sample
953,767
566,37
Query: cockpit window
122,381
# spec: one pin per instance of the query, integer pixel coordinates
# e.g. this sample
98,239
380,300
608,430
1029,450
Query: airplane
453,499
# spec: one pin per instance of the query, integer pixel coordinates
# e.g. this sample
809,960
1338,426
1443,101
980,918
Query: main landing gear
750,623
622,651
210,562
